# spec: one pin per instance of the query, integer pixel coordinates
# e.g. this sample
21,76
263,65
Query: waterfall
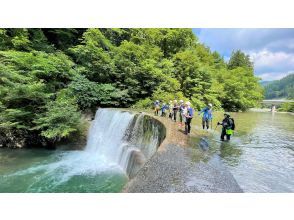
106,134
123,138
118,145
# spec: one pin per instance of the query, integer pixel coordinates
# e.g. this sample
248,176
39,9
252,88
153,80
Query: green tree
239,59
28,81
94,55
241,90
287,107
62,38
195,79
4,39
60,119
90,95
47,74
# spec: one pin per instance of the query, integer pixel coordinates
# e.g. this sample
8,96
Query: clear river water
260,154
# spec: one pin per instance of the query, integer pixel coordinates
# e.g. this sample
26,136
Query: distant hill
279,89
264,83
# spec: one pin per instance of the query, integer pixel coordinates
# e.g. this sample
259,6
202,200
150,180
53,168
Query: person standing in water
188,116
228,127
207,116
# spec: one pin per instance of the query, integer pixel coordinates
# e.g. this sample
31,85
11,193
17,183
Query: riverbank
268,110
180,165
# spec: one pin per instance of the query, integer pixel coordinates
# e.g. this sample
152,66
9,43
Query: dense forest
49,77
277,89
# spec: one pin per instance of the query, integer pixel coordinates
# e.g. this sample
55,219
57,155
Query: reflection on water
230,153
261,152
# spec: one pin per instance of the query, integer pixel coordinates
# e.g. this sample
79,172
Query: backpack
232,123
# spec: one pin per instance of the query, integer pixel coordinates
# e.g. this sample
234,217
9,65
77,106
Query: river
260,156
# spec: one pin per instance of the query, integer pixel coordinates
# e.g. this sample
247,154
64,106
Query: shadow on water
204,148
231,153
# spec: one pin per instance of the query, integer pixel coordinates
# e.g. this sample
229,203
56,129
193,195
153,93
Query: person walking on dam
156,107
207,116
175,110
228,124
189,115
181,108
164,107
170,106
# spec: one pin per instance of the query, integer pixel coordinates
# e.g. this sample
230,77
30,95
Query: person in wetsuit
228,127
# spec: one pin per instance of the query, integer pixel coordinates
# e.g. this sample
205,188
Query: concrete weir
175,168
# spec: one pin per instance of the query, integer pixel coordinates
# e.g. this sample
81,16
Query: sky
271,50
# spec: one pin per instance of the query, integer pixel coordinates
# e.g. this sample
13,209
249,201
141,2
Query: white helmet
181,101
175,101
188,103
210,104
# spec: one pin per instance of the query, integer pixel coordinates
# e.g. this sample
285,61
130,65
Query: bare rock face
17,139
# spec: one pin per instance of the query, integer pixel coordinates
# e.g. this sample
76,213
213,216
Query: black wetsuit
227,123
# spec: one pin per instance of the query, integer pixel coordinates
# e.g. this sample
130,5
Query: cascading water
106,134
123,138
119,143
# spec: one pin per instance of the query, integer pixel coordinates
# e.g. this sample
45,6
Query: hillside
283,88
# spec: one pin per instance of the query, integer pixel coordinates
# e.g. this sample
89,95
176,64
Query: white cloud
274,75
271,50
268,61
225,40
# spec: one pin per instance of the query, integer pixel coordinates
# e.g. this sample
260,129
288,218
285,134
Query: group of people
186,113
184,110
